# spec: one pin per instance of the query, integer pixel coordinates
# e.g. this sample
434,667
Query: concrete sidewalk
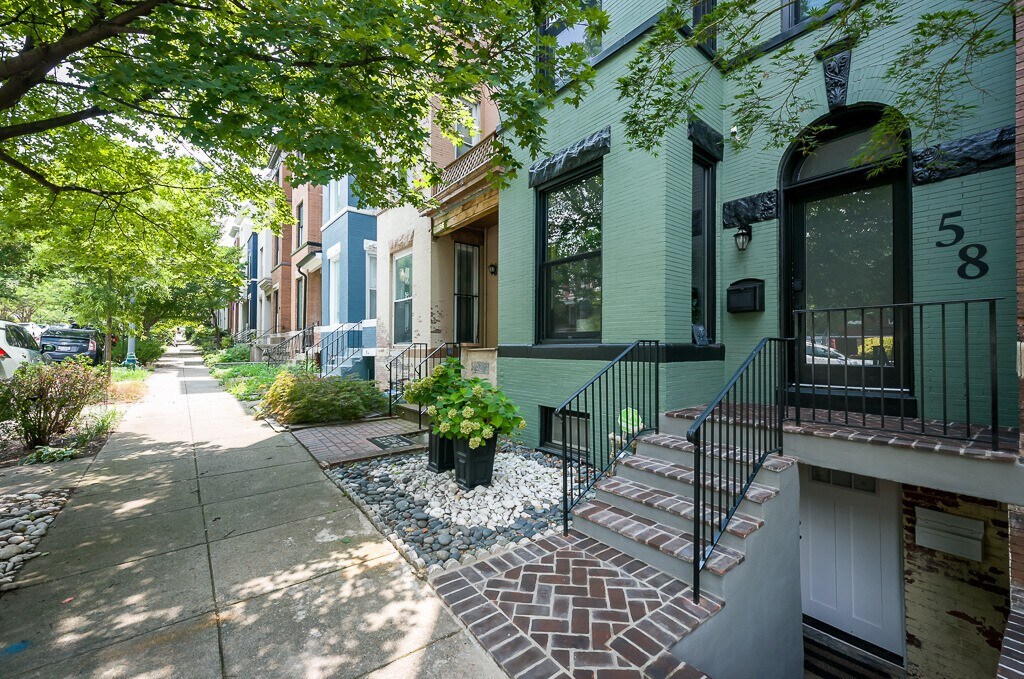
200,543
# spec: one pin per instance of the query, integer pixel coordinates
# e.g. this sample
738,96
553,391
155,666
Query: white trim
370,246
348,208
334,252
368,323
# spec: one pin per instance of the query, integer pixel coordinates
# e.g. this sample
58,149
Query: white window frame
371,279
398,256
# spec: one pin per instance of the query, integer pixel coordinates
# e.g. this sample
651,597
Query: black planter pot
440,453
474,466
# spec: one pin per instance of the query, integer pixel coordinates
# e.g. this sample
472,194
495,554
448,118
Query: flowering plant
442,379
475,411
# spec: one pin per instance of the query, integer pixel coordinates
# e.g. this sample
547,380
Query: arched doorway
847,266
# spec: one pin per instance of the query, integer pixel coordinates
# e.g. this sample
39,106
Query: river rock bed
24,520
438,525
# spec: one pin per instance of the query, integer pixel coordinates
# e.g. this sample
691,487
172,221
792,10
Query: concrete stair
644,507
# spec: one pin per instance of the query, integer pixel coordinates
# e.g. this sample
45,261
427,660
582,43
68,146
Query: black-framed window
577,430
570,272
467,293
795,11
566,34
300,225
300,303
702,8
702,243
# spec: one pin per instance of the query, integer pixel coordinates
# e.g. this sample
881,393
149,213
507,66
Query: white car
16,348
822,354
34,329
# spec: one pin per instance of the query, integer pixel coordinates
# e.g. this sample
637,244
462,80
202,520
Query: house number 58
971,255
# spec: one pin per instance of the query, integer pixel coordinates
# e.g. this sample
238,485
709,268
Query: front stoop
575,607
645,509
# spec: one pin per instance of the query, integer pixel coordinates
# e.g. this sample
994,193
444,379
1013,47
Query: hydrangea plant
426,390
476,411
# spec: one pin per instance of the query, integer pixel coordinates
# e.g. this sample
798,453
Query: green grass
119,373
250,381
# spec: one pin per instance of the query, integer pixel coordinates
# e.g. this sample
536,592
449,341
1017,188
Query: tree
131,252
927,75
345,86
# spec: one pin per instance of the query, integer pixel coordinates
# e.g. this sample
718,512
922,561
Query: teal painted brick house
603,245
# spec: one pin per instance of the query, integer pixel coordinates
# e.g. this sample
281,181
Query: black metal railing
337,348
243,336
433,359
602,419
402,369
927,368
732,438
289,347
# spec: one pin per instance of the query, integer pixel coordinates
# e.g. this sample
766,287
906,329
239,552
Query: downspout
305,296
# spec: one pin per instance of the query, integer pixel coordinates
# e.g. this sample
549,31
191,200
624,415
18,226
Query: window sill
596,351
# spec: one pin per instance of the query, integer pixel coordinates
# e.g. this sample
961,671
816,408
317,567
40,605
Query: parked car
17,347
823,354
61,343
34,329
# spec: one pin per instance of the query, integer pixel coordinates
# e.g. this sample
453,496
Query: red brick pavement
331,445
574,607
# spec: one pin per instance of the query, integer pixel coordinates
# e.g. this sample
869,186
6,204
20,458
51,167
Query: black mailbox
745,295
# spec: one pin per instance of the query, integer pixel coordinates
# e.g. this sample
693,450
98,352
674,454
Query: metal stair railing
401,370
732,438
604,417
338,347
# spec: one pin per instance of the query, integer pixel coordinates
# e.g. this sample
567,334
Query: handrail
337,347
924,368
402,369
603,418
464,165
280,352
728,454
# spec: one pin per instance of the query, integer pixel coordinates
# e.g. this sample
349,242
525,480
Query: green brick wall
646,223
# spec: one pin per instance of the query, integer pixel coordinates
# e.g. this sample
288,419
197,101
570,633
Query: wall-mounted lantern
743,235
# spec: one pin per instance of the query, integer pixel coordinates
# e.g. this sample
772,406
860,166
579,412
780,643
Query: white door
850,556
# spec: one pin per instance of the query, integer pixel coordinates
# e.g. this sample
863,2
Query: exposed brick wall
956,609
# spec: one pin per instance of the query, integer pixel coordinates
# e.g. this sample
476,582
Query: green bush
249,381
147,350
46,455
45,399
238,353
302,397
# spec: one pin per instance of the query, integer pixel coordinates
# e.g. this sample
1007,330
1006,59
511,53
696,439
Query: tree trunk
216,329
107,344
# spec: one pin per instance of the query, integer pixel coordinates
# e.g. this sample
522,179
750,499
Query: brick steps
649,470
668,508
674,448
665,539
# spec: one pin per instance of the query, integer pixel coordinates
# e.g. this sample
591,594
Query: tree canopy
344,87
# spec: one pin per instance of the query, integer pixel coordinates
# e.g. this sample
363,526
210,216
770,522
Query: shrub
45,399
46,455
147,350
302,397
249,381
238,353
476,411
94,425
442,380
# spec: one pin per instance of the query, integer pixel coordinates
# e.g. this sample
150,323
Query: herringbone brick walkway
575,607
333,444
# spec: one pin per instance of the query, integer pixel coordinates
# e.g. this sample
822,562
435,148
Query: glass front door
847,263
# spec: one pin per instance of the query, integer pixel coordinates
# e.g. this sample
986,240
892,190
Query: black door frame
792,251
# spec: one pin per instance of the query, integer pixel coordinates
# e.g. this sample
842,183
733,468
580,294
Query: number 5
957,230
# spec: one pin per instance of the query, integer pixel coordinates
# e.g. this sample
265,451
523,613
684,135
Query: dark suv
60,343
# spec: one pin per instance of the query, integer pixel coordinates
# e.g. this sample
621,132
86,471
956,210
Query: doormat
392,441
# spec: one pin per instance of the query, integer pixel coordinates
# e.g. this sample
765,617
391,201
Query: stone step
670,509
663,547
675,449
678,479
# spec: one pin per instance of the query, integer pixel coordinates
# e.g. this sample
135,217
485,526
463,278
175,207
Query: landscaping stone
438,525
19,535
